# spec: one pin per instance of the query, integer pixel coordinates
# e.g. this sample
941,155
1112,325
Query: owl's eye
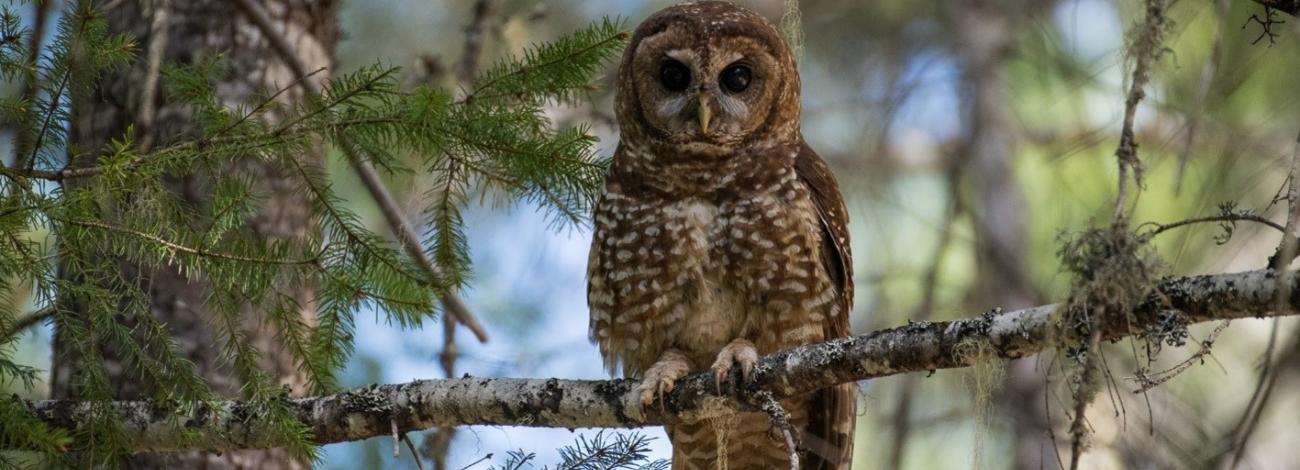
674,75
735,78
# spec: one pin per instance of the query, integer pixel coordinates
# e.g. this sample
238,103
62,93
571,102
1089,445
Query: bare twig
149,93
397,439
419,464
1148,380
1286,248
401,227
226,425
1266,24
32,319
473,49
1161,228
476,462
1290,7
930,283
1285,253
438,442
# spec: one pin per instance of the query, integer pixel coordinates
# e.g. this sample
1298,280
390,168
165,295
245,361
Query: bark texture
182,32
918,347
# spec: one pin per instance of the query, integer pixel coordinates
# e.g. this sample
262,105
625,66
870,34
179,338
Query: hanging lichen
984,377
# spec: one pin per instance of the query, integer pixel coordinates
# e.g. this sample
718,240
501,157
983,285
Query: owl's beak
705,114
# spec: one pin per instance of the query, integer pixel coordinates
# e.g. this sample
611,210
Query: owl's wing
836,255
833,410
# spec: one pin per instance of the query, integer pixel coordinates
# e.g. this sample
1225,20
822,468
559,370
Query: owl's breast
695,273
714,309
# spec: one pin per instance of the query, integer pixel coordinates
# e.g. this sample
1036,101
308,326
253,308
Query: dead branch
1290,7
401,227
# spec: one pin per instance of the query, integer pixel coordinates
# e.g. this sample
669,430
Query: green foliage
116,219
623,451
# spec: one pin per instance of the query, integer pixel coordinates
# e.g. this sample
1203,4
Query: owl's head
708,77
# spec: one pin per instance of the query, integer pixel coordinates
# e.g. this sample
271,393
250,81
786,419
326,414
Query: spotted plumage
720,236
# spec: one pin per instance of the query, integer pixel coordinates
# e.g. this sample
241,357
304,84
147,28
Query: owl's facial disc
708,93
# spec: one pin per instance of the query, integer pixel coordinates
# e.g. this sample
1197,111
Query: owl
720,235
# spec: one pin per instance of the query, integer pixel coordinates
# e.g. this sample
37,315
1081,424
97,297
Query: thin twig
437,443
1286,248
30,161
32,319
1149,380
397,439
177,247
1290,7
1161,228
473,49
266,102
31,79
476,462
1285,253
406,234
930,283
419,464
157,45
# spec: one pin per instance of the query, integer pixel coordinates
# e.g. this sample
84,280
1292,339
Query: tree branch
1291,7
917,347
393,214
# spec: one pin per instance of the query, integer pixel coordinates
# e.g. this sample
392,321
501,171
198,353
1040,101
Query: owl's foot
739,352
662,376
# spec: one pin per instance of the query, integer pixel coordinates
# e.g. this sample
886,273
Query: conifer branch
406,234
177,247
917,347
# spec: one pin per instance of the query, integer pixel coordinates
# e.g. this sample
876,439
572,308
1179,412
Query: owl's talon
662,376
739,352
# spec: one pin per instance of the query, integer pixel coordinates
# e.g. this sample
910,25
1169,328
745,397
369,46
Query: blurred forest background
967,136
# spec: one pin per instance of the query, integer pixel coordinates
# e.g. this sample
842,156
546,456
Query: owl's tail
828,439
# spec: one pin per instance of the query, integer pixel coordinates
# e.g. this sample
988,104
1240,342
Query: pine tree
190,246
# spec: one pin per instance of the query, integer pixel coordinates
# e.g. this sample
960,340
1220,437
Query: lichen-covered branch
917,347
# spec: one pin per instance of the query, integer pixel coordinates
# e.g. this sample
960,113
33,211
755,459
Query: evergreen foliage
622,452
117,211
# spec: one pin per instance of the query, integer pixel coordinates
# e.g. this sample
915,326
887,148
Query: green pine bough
114,208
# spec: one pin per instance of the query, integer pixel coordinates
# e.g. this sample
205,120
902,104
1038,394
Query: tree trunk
183,32
984,30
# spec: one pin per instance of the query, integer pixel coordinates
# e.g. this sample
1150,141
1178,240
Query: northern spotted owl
720,236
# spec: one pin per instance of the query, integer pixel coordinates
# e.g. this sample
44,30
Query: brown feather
708,235
833,410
